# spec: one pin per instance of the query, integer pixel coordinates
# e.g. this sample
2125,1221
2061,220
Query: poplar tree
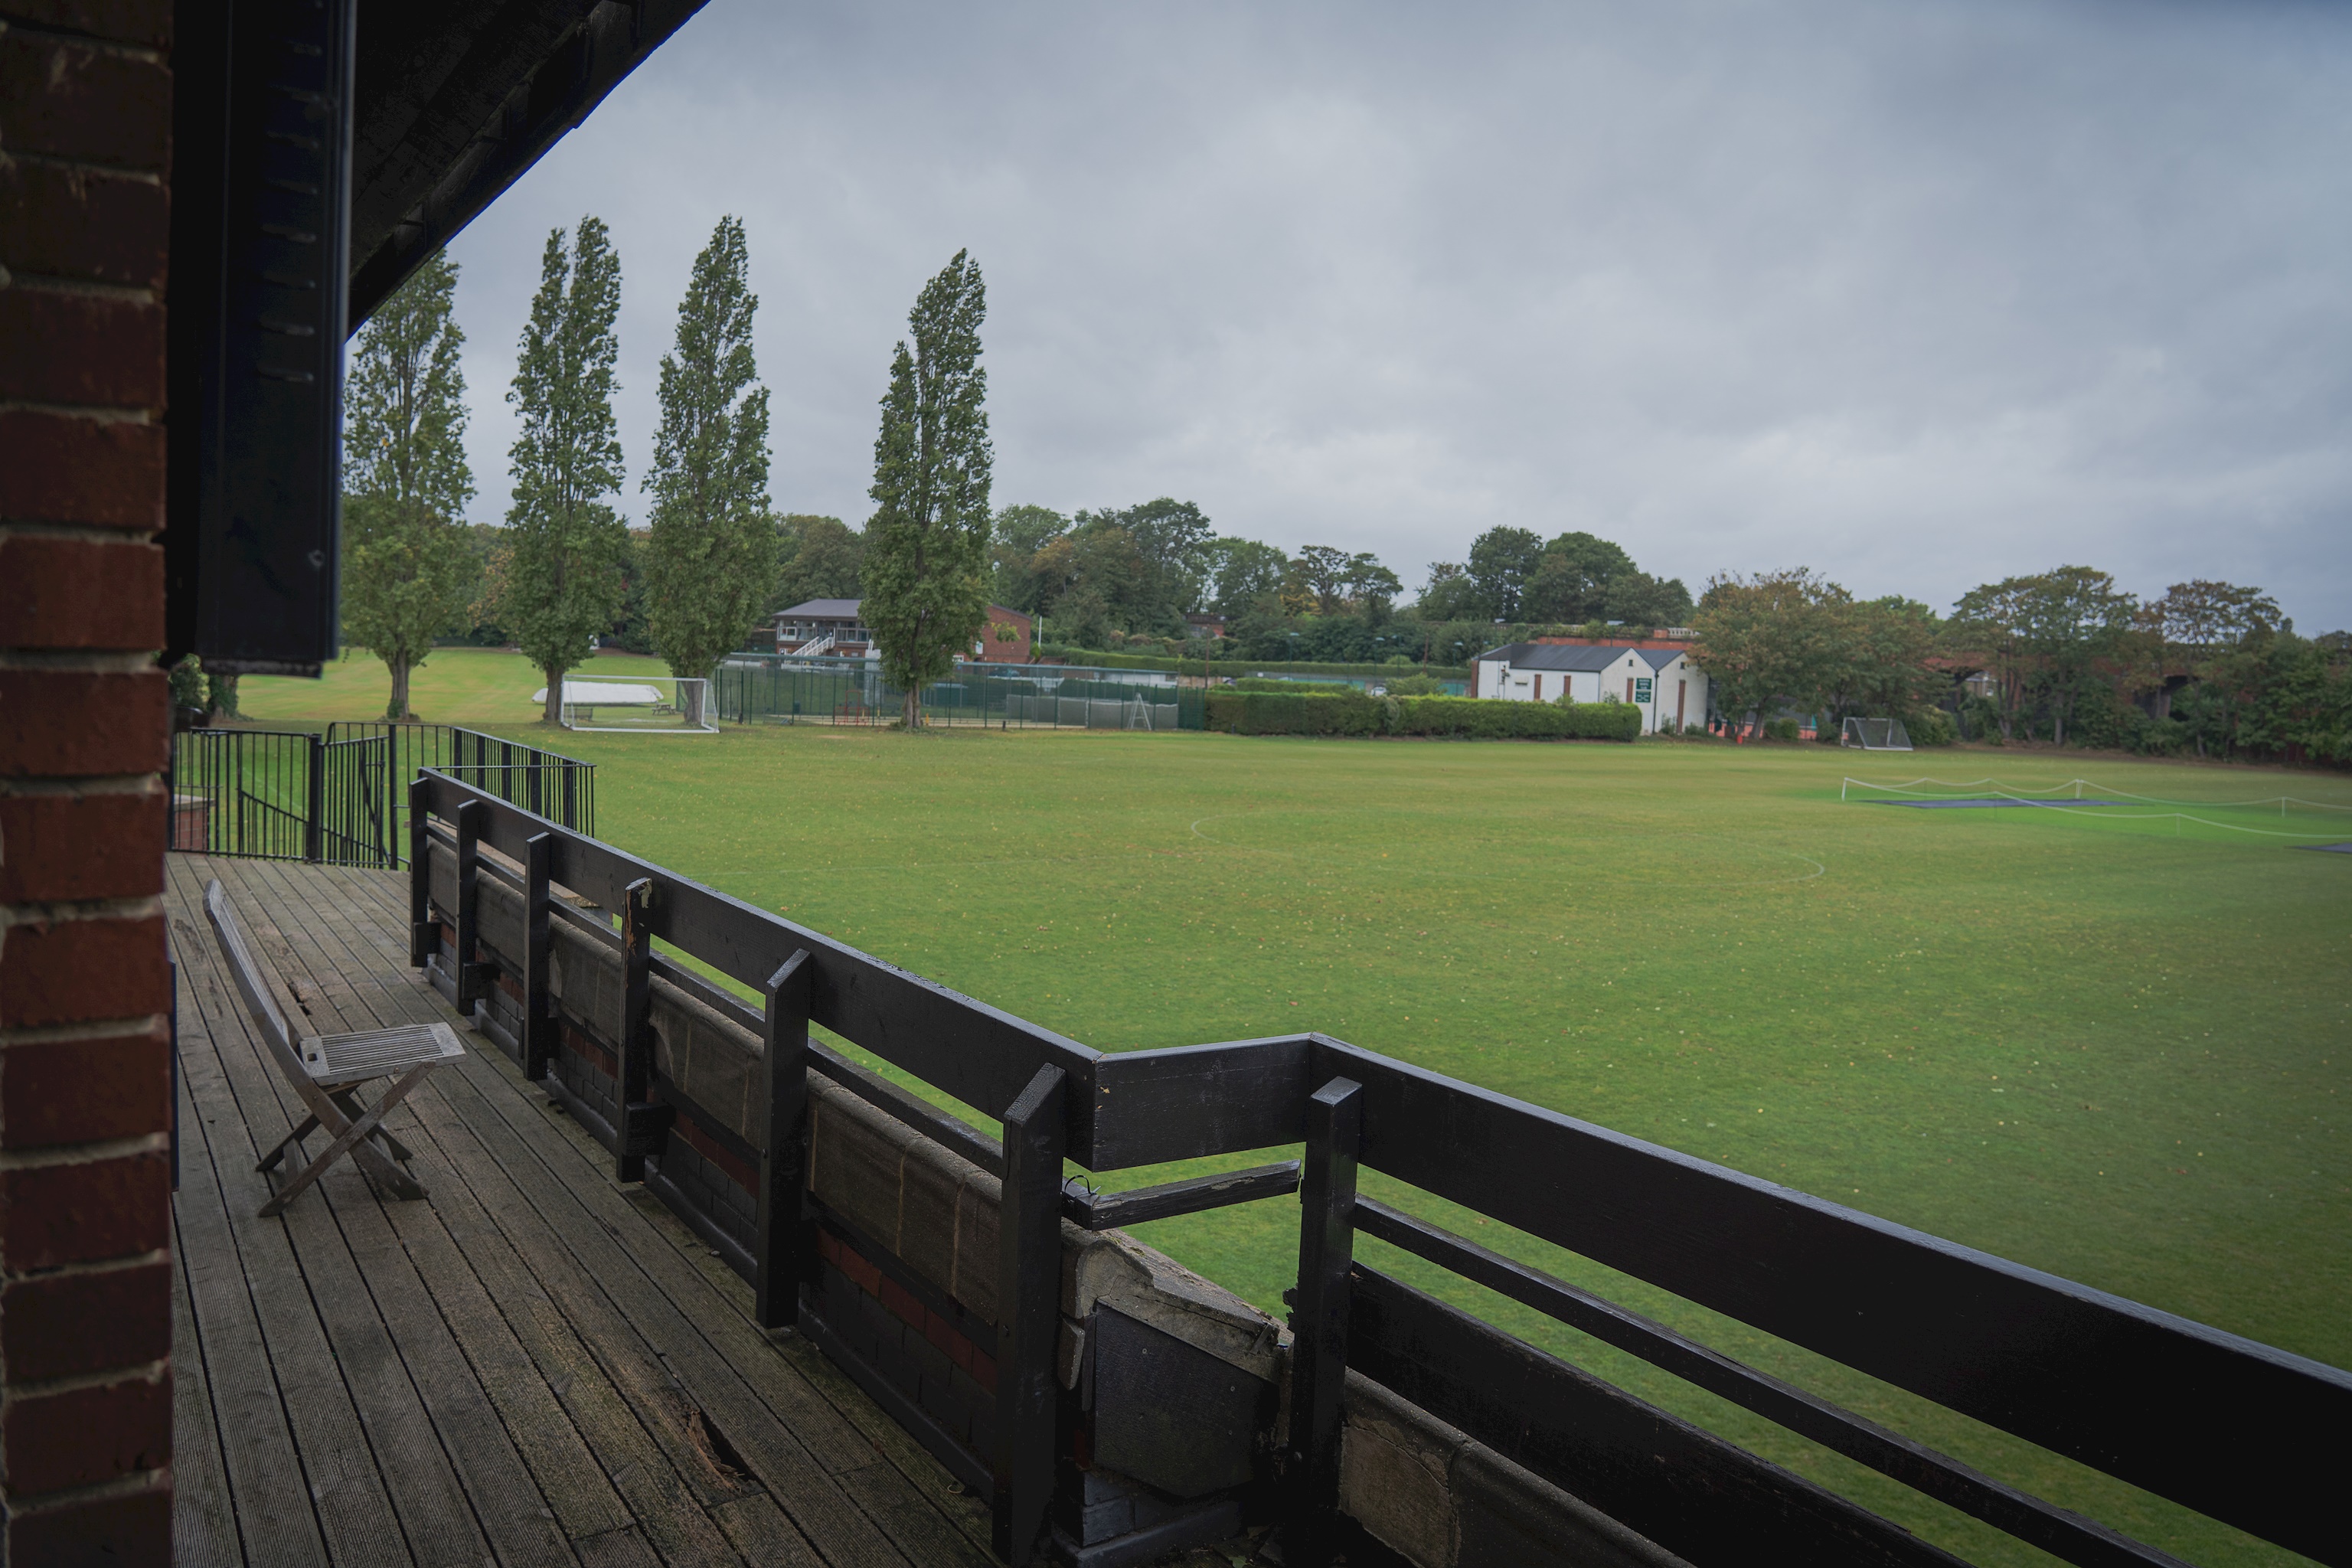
409,570
564,581
926,570
713,547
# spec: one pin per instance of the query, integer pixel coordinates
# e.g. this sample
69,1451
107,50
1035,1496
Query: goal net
1875,735
651,704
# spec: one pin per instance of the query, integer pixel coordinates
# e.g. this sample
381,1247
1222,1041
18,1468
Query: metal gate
259,793
342,799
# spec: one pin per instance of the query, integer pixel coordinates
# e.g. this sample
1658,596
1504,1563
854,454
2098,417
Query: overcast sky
1917,295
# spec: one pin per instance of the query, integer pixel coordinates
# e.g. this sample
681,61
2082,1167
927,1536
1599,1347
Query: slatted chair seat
326,1071
334,1061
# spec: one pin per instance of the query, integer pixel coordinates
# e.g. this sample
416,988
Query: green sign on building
1641,688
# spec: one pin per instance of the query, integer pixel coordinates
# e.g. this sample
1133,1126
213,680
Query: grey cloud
1918,294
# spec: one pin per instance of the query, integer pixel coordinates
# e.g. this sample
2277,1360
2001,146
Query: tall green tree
926,571
712,553
821,557
1502,559
563,578
1770,639
1019,533
2075,617
1243,571
409,569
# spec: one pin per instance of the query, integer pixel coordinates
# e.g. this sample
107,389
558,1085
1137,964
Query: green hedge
1491,719
1461,718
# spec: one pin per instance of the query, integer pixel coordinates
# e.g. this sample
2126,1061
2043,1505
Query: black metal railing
2236,1430
340,796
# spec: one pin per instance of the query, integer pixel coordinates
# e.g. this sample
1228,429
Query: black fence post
424,936
470,815
639,1126
314,831
1319,1320
537,1013
1029,1310
781,1234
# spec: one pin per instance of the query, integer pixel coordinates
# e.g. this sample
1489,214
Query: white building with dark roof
1670,690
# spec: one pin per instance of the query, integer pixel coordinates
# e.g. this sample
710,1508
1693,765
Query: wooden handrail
2242,1432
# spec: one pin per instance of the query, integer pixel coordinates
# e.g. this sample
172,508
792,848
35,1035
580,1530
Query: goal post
1875,735
641,704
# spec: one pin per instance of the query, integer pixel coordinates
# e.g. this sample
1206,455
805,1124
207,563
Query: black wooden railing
2236,1430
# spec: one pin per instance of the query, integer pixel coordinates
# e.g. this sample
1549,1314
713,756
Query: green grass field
2112,1045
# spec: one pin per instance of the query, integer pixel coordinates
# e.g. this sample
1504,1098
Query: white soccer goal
649,704
1875,735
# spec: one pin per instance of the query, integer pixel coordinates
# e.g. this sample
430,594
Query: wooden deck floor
532,1365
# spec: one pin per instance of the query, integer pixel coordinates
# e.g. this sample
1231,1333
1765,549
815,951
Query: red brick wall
996,651
85,1184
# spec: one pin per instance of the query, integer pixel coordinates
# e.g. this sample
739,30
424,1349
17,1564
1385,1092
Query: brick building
168,483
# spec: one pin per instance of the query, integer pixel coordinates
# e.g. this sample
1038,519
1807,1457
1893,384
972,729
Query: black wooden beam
643,1126
424,935
539,1023
781,1231
1319,1317
980,1054
2059,1532
1028,1296
2154,1399
2195,1415
1690,1491
1111,1211
467,973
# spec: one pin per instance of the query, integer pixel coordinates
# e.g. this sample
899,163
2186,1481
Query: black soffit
453,101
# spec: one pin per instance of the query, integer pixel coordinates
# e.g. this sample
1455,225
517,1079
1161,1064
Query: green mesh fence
786,691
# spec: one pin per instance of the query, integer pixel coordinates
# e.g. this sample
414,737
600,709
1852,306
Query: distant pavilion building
834,628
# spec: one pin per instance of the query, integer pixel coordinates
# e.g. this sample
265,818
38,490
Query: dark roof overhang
454,100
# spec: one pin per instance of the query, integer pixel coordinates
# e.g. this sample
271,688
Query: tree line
565,568
2206,666
2064,655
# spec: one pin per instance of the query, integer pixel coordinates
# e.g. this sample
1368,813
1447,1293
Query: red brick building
135,212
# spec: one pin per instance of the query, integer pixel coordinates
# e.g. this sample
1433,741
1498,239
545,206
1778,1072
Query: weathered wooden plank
1115,1211
506,1503
566,1412
623,1548
929,1482
804,1374
647,1467
927,1536
431,1503
645,1475
602,1282
204,1520
760,1530
290,1375
1153,1107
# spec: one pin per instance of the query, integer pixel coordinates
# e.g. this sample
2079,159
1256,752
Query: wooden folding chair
326,1071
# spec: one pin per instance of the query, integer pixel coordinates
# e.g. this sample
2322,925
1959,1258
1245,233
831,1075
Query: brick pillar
85,1198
